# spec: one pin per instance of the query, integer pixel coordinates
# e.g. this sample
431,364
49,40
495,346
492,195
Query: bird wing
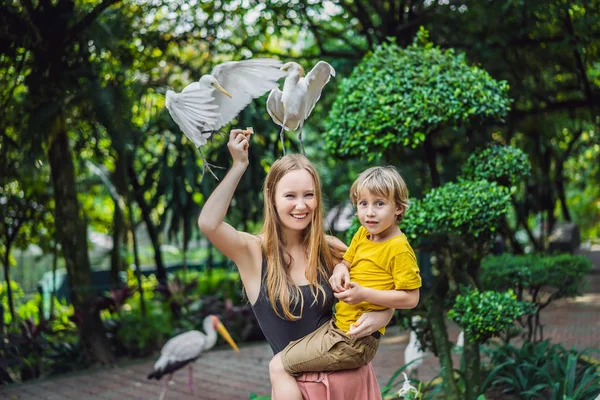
181,348
316,79
245,81
276,110
194,111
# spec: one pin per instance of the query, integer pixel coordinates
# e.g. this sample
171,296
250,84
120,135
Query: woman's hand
239,141
370,322
340,278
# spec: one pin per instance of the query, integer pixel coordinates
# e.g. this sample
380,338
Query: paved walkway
223,374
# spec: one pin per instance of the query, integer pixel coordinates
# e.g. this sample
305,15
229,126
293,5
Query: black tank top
280,332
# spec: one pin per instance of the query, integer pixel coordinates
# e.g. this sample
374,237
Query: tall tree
54,35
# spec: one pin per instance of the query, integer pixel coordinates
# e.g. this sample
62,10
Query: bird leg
206,166
165,387
281,134
191,378
282,137
300,140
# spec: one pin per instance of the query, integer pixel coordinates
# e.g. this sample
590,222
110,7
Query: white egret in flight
200,110
184,349
290,108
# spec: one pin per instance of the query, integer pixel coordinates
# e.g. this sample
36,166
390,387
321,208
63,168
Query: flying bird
290,108
186,348
203,107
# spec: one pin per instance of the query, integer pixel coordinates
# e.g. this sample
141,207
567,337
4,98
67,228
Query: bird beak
223,332
220,89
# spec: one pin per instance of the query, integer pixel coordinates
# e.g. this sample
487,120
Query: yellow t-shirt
389,265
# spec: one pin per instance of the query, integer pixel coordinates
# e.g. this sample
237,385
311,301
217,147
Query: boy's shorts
328,349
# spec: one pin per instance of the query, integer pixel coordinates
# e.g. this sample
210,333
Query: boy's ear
399,210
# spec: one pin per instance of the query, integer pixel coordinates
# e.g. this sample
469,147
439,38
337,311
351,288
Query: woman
285,269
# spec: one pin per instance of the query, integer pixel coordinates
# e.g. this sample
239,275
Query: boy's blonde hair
385,182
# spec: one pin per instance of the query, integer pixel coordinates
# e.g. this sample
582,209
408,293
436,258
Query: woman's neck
293,239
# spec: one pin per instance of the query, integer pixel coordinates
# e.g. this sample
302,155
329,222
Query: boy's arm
398,299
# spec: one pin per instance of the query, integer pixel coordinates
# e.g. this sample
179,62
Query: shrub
468,209
541,278
396,96
539,370
483,315
505,165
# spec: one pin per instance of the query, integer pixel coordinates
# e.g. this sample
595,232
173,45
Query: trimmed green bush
469,209
505,165
483,315
560,274
396,96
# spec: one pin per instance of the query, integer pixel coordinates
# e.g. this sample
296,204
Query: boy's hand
340,278
355,294
239,141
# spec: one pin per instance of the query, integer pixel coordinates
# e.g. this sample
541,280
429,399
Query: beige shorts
328,349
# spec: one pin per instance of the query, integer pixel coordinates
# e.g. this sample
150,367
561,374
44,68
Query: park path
223,374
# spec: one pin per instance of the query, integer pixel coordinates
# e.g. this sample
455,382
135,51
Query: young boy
379,271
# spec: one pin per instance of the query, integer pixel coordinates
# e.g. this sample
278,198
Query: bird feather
315,81
245,81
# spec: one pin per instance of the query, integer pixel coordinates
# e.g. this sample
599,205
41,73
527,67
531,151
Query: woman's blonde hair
385,182
281,290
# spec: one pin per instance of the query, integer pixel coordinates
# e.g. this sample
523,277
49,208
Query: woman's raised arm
232,243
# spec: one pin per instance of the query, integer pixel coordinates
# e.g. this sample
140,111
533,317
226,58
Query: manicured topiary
396,96
468,209
506,165
483,315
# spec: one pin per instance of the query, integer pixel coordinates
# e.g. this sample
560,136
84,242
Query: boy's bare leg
284,385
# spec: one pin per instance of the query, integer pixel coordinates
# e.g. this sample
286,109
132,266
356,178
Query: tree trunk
442,346
136,259
472,368
431,157
115,253
71,232
559,182
9,293
54,265
161,272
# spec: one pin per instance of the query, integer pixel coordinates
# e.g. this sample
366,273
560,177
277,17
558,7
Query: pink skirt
352,384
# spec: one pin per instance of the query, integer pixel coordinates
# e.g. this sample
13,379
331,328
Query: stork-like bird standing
290,108
186,348
200,110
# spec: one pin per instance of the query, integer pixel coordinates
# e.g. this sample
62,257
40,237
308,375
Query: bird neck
211,339
291,80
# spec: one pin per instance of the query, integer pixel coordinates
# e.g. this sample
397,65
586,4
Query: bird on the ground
200,110
292,106
413,353
186,348
460,340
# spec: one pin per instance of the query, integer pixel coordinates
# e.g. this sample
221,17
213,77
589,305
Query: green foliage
396,96
506,165
352,229
483,315
35,346
543,371
470,210
142,334
562,273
